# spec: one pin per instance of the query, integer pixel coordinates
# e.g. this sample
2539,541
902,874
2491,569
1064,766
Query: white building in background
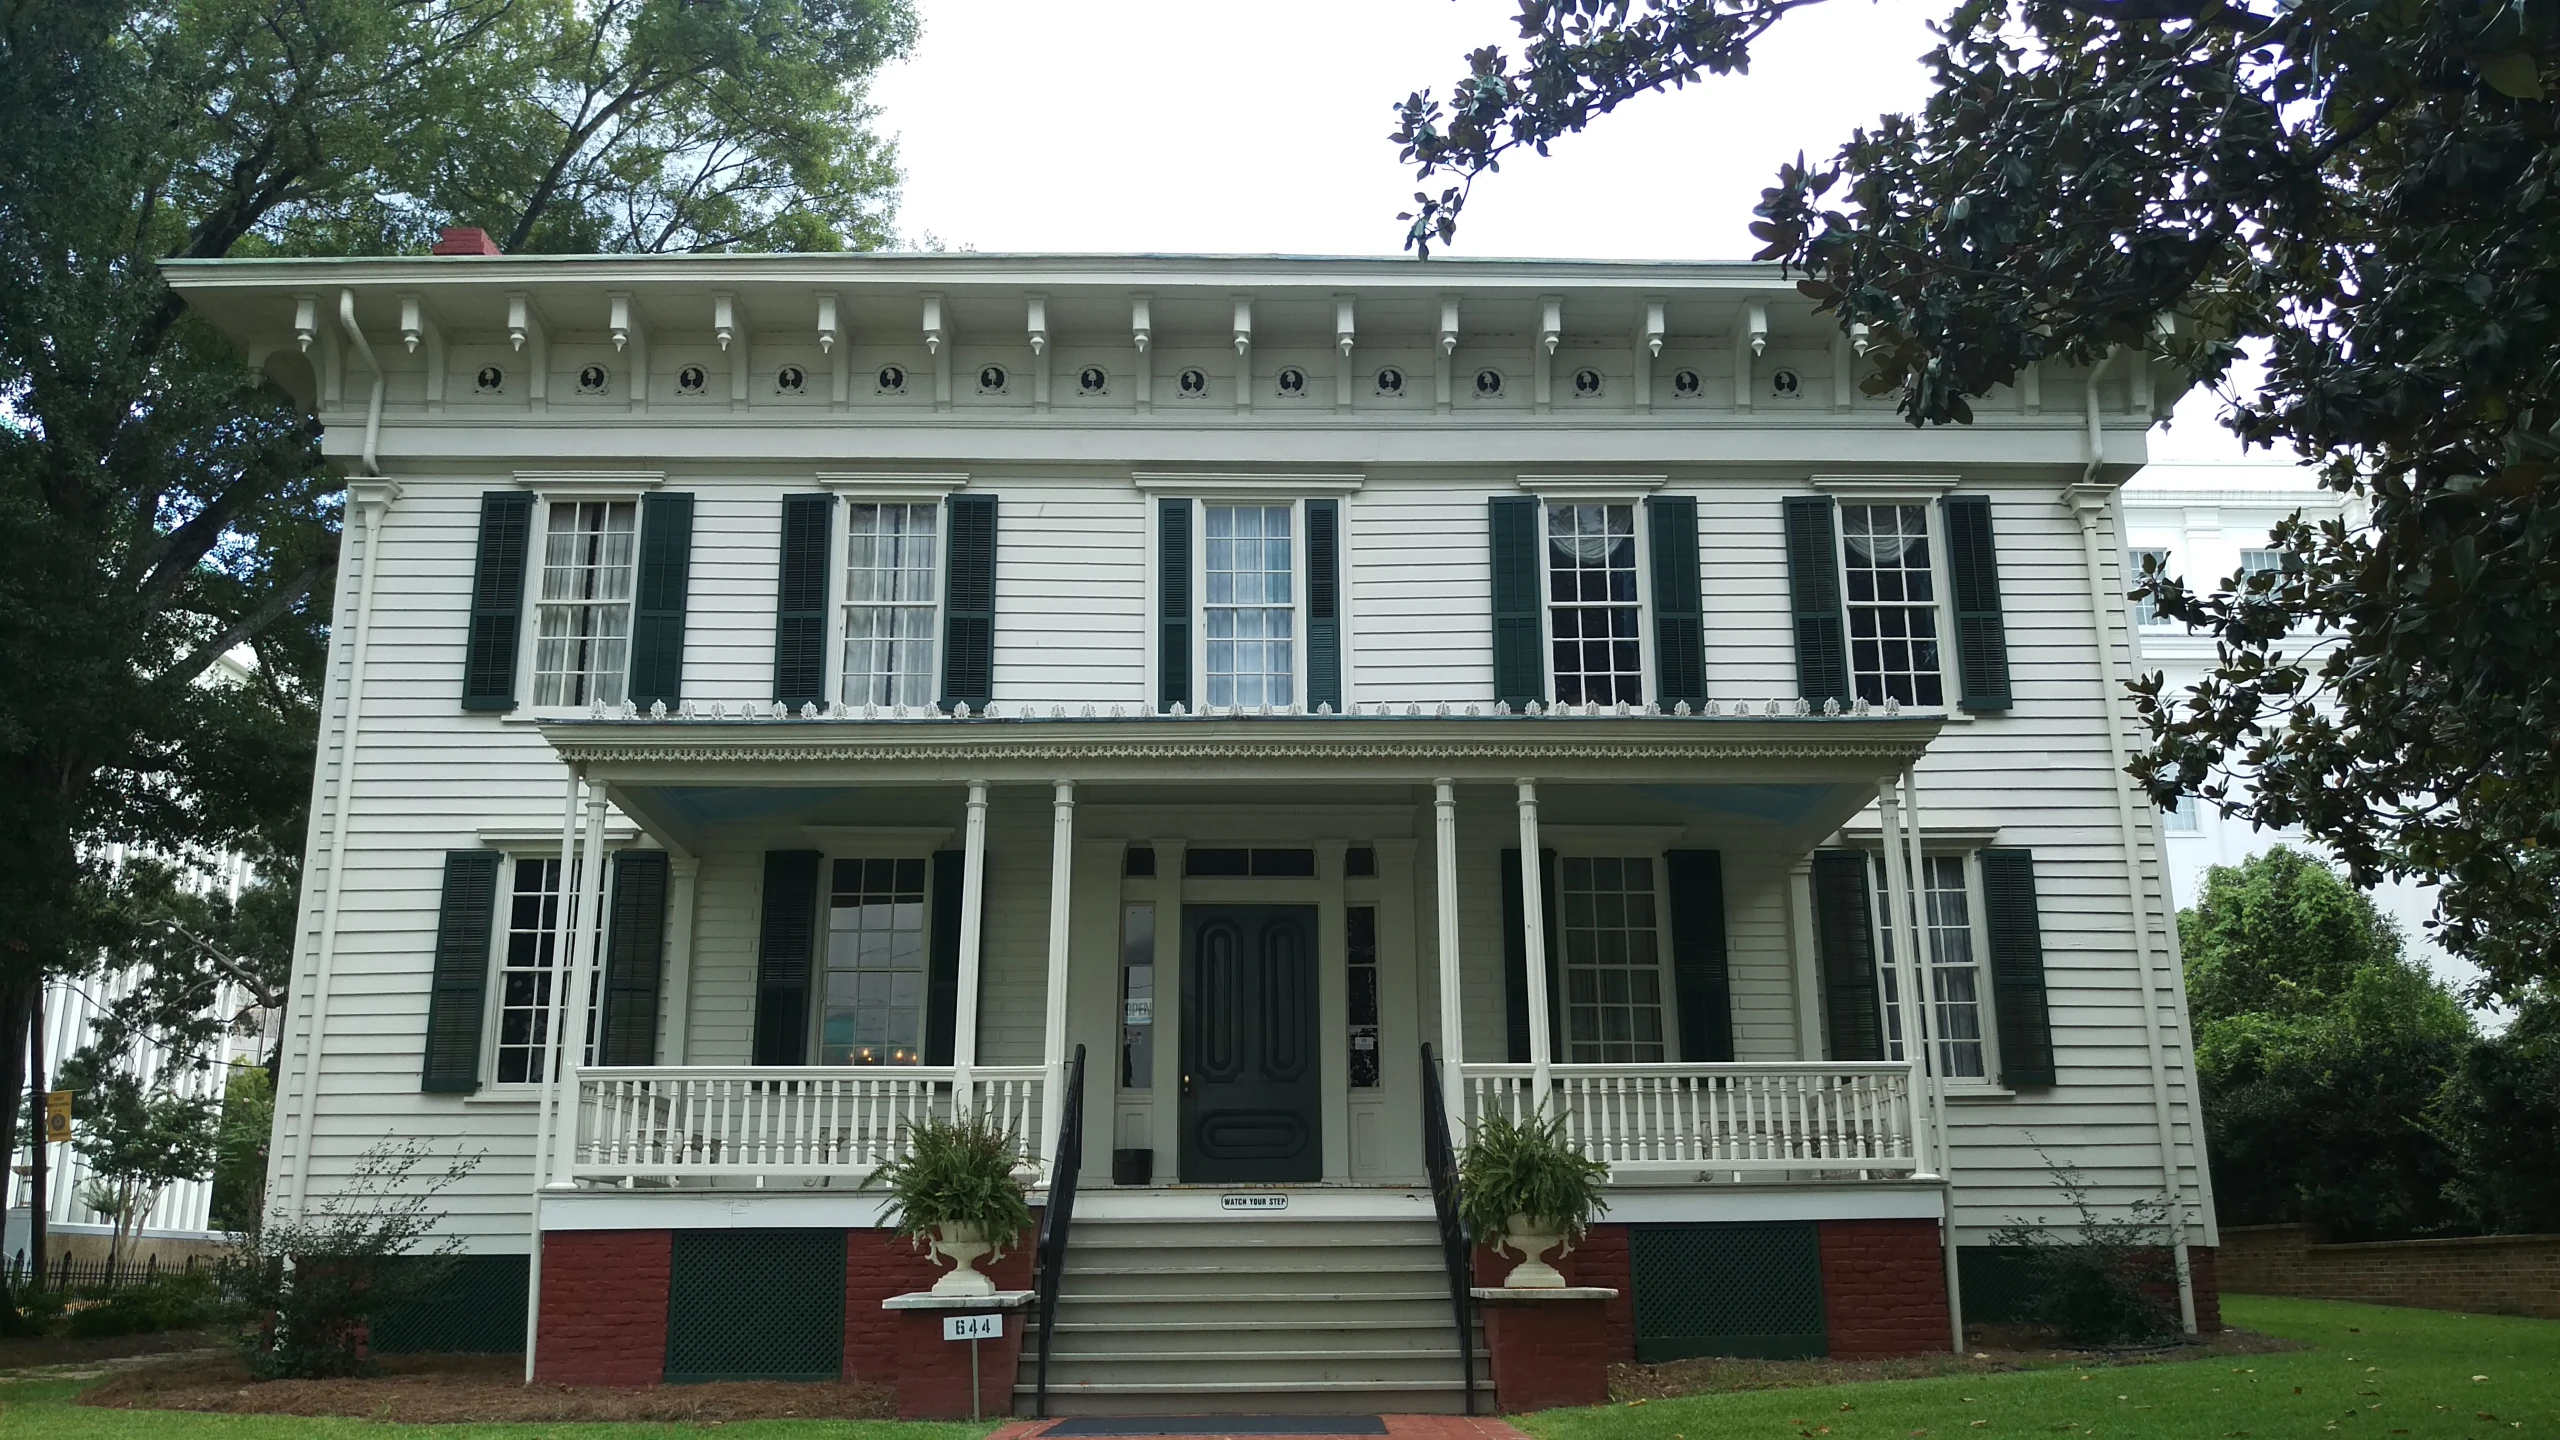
2208,518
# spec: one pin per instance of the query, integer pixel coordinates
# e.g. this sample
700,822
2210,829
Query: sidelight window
1138,995
874,1009
1361,951
1612,960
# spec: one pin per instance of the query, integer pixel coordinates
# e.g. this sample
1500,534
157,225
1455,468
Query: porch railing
1741,1118
727,1122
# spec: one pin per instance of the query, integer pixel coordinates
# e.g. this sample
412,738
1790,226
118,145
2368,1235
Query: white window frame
839,602
552,489
1649,843
1984,1003
1649,676
1940,604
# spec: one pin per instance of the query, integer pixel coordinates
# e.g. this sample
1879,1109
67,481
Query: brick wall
1598,1258
1884,1287
877,1265
604,1307
2489,1274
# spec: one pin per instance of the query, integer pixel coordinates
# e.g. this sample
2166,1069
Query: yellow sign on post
57,1116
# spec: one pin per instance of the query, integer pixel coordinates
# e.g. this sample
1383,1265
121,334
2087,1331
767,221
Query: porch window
1955,974
874,1012
582,632
525,969
1361,950
1251,610
1893,604
891,555
1592,609
1612,961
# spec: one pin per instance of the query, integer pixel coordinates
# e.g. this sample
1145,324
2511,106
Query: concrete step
1445,1397
1250,1369
1217,1336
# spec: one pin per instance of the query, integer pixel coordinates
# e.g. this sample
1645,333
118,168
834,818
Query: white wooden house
1244,672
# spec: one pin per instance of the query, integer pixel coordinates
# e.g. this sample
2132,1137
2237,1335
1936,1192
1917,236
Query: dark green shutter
783,957
1699,976
665,579
635,949
969,603
1973,573
1515,957
497,601
1813,585
1519,645
1324,603
1173,604
800,614
942,957
1679,621
1844,929
457,997
2016,935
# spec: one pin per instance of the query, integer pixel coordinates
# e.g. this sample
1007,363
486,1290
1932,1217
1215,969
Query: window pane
1360,950
892,558
1613,984
582,624
1592,608
875,981
1892,593
1250,617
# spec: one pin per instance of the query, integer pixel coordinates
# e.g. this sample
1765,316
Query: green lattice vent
476,1304
1996,1284
755,1305
1742,1289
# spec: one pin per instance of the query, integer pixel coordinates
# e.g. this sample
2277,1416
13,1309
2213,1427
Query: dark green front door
1251,1095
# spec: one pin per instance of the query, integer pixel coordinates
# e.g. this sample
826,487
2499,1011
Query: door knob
1186,1084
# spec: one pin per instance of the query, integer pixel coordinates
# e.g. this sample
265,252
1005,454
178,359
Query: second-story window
1592,609
1250,606
1893,604
2146,611
891,554
582,634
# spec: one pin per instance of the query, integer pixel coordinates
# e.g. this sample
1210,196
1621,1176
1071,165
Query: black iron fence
64,1274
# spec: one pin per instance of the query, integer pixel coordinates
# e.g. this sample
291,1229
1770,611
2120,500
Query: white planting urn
1531,1240
964,1246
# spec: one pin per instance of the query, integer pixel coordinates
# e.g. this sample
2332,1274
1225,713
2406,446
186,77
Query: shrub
1526,1167
311,1286
957,1172
178,1300
2091,1289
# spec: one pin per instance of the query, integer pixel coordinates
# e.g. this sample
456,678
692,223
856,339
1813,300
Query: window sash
529,971
1611,932
1890,588
1249,606
582,622
1956,985
1595,644
892,603
876,965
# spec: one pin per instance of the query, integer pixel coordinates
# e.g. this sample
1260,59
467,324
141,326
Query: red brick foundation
877,1265
1599,1258
1884,1287
933,1373
1546,1353
604,1307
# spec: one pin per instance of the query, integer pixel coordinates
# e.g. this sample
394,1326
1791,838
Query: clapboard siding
1071,594
1418,573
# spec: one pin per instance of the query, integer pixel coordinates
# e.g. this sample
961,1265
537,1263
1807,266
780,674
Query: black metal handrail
1057,1217
1457,1247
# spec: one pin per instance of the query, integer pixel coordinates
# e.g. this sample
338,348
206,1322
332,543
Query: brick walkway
1399,1427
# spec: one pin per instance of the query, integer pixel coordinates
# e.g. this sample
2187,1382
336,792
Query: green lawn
2375,1372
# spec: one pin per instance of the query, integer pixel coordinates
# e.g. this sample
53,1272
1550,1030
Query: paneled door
1251,1094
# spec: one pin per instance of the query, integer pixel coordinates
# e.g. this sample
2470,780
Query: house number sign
1253,1202
973,1327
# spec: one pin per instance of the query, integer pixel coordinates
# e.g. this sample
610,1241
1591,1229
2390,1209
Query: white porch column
589,951
1897,898
973,890
1923,957
1453,1010
561,936
684,874
1533,925
1053,1039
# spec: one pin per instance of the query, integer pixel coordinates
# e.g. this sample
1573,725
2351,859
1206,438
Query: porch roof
1819,770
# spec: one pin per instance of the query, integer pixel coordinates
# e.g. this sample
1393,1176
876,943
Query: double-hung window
528,969
1892,596
1953,968
1612,965
1592,607
893,558
1249,605
582,627
873,1013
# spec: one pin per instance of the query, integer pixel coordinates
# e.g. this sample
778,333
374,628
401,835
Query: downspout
371,502
2088,502
372,406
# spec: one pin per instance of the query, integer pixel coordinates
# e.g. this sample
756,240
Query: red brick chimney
464,240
